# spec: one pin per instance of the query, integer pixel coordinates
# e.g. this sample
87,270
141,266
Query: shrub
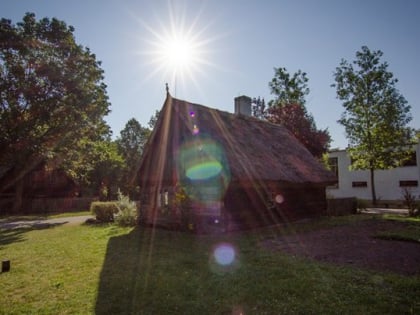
182,204
127,211
410,201
361,204
104,210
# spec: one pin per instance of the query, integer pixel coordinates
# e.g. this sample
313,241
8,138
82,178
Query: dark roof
254,149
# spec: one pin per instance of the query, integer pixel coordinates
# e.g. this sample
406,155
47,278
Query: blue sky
240,43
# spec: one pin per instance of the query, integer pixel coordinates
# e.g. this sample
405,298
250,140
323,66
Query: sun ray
179,49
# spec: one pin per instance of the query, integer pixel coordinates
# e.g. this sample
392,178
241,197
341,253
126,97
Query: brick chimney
243,105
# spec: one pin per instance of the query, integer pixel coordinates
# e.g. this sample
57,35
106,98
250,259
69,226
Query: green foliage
288,89
131,143
288,109
325,160
53,99
107,168
153,120
376,114
104,211
127,211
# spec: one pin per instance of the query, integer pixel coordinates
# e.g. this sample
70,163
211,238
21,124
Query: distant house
234,170
389,184
45,182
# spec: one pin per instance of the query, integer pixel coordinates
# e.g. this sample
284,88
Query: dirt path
354,245
40,223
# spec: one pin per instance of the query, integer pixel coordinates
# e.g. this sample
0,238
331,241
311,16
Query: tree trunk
372,185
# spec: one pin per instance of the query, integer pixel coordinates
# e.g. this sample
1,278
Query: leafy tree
288,109
288,89
376,114
153,119
52,96
258,108
99,168
131,144
302,126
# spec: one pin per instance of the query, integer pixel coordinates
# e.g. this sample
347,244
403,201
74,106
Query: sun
178,48
178,52
179,55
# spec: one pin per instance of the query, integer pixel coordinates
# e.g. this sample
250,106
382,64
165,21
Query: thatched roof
254,149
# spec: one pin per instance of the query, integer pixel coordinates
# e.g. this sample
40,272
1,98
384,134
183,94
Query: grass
409,233
112,270
401,218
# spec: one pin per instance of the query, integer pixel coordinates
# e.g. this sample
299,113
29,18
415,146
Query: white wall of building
387,182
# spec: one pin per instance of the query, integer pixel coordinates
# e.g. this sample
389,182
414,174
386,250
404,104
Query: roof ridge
239,116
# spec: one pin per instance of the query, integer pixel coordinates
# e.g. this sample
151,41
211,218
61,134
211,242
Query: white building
389,184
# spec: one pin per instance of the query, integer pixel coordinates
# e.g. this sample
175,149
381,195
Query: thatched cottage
207,169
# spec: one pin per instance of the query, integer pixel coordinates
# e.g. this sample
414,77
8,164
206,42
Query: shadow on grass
130,259
162,272
13,233
119,274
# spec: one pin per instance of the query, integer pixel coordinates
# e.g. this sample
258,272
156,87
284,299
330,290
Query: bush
361,204
411,203
182,204
127,211
104,210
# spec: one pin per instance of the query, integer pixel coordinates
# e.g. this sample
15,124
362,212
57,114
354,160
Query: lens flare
224,254
203,159
224,258
205,170
279,198
196,130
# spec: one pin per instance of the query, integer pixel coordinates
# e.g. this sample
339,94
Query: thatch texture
255,149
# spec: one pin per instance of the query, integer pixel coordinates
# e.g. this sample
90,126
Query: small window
359,184
333,167
333,164
409,183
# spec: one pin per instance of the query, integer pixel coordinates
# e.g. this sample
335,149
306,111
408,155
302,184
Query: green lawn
111,270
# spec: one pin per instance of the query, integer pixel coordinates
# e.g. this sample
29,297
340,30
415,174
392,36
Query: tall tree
131,144
376,114
288,89
107,170
288,109
52,96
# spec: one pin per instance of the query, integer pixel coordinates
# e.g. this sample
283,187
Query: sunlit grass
111,270
401,218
